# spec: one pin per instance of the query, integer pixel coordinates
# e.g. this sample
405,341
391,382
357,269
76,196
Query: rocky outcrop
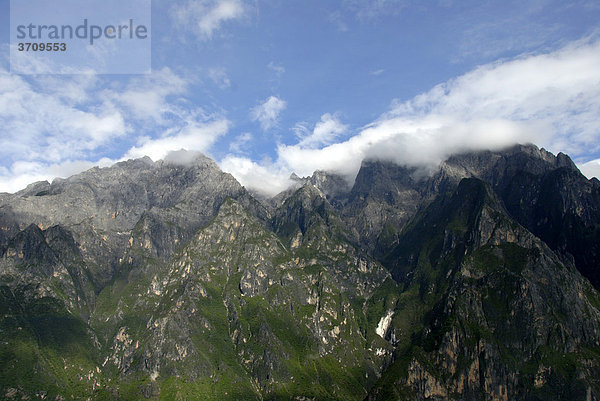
546,194
508,318
169,280
102,207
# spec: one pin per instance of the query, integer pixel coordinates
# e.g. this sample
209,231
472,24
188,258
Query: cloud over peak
55,126
194,136
552,100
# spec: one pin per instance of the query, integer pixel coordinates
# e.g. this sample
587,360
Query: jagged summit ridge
169,280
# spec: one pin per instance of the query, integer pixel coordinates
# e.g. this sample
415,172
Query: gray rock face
102,207
545,193
507,318
169,280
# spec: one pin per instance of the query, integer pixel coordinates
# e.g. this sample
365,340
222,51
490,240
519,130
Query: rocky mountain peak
294,177
331,185
168,280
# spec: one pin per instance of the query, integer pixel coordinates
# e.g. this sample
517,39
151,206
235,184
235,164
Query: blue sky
270,87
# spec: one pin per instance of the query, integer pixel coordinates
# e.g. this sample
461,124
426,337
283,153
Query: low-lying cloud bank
56,127
591,168
552,100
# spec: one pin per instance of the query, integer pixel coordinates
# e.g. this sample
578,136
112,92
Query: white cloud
23,173
325,132
195,136
73,90
182,157
422,142
240,141
41,121
205,17
560,91
265,178
277,68
51,125
219,77
147,98
267,113
377,72
419,141
591,168
552,100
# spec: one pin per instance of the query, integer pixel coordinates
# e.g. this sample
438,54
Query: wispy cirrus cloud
240,142
277,68
325,132
267,112
205,17
369,9
219,77
337,19
518,27
377,72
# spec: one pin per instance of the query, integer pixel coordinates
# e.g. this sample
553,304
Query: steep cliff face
494,312
170,281
545,193
239,314
101,207
384,197
233,311
46,297
562,208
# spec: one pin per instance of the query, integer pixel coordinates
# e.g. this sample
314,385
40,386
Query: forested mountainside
165,281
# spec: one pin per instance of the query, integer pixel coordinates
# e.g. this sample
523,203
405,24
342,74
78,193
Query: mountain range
169,280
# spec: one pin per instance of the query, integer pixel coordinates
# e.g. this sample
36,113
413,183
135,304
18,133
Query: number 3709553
42,47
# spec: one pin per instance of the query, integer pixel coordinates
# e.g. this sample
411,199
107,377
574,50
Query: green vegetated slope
405,288
235,314
46,346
